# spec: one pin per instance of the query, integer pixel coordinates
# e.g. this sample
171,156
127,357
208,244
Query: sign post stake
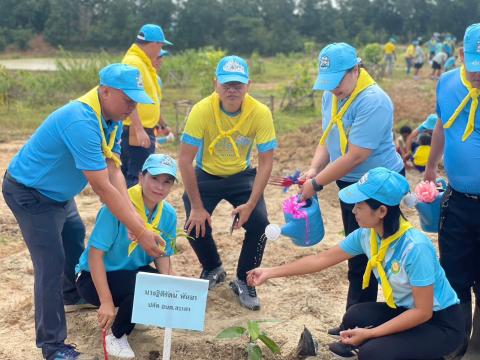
167,343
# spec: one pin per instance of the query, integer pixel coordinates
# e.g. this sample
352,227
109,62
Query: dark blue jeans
54,234
133,157
235,189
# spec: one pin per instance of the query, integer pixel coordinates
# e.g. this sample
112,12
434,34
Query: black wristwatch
316,186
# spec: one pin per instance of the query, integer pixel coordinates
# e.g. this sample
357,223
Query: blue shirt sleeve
105,230
83,141
372,119
420,265
352,244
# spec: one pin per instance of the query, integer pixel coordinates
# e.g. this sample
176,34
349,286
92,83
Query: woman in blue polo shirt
357,124
421,318
108,267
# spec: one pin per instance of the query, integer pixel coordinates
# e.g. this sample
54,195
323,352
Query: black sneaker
343,351
247,295
334,332
214,276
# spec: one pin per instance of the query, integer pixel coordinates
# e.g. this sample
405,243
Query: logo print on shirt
324,63
233,66
395,267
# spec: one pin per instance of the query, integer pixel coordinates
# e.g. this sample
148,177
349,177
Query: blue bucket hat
232,69
471,48
333,62
157,164
429,123
152,33
126,78
381,184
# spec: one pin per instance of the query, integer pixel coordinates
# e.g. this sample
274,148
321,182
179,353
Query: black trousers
54,234
235,189
357,264
122,287
439,336
459,245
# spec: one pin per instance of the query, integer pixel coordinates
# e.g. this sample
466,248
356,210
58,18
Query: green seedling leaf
253,330
254,352
231,332
272,345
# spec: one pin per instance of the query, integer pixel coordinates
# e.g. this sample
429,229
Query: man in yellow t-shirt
390,56
138,138
409,55
220,133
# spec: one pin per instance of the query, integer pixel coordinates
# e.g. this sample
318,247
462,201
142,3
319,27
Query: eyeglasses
233,86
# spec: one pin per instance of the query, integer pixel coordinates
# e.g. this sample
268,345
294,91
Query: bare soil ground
316,301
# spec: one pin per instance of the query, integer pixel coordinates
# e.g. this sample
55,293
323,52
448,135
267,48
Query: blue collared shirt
368,124
67,143
462,158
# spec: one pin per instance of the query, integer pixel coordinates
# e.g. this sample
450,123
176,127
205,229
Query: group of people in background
107,138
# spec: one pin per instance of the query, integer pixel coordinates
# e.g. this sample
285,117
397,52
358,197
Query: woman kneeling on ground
109,265
421,318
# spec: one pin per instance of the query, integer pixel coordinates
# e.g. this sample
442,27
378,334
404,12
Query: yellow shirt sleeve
265,134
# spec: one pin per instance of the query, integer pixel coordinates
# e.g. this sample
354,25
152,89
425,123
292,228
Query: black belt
468,196
149,131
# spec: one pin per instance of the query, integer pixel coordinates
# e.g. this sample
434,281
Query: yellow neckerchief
91,99
137,51
377,257
245,111
363,82
473,93
136,196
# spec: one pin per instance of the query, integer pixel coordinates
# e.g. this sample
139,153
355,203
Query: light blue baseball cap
381,184
333,62
157,164
163,53
429,123
152,33
126,78
232,69
471,48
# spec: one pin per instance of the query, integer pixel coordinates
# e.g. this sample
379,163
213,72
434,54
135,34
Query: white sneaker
119,347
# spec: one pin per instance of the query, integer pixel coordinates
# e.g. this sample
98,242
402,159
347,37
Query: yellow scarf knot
136,196
364,81
473,93
247,108
377,257
91,99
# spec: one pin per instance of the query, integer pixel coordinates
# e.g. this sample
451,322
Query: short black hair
405,129
425,139
391,221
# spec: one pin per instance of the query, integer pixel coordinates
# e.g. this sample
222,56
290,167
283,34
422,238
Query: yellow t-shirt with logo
255,125
389,48
148,113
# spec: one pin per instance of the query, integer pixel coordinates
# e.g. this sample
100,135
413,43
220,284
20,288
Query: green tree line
243,26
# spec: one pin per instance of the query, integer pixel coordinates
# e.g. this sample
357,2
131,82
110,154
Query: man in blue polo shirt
357,124
457,137
77,144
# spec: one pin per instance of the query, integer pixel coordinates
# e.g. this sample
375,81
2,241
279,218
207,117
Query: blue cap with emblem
381,184
471,48
157,164
232,69
333,62
126,78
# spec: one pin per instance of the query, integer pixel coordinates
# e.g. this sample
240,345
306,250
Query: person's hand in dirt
243,211
198,220
257,277
106,315
355,336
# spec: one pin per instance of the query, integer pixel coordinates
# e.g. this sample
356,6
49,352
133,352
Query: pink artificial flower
426,191
293,207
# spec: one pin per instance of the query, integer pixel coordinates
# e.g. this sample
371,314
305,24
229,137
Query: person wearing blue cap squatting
109,265
357,124
220,133
77,144
421,317
138,138
457,137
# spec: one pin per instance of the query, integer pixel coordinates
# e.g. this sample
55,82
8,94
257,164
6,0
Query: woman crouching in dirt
421,318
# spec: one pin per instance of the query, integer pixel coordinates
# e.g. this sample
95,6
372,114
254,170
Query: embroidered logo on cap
167,161
140,82
324,63
363,179
233,66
